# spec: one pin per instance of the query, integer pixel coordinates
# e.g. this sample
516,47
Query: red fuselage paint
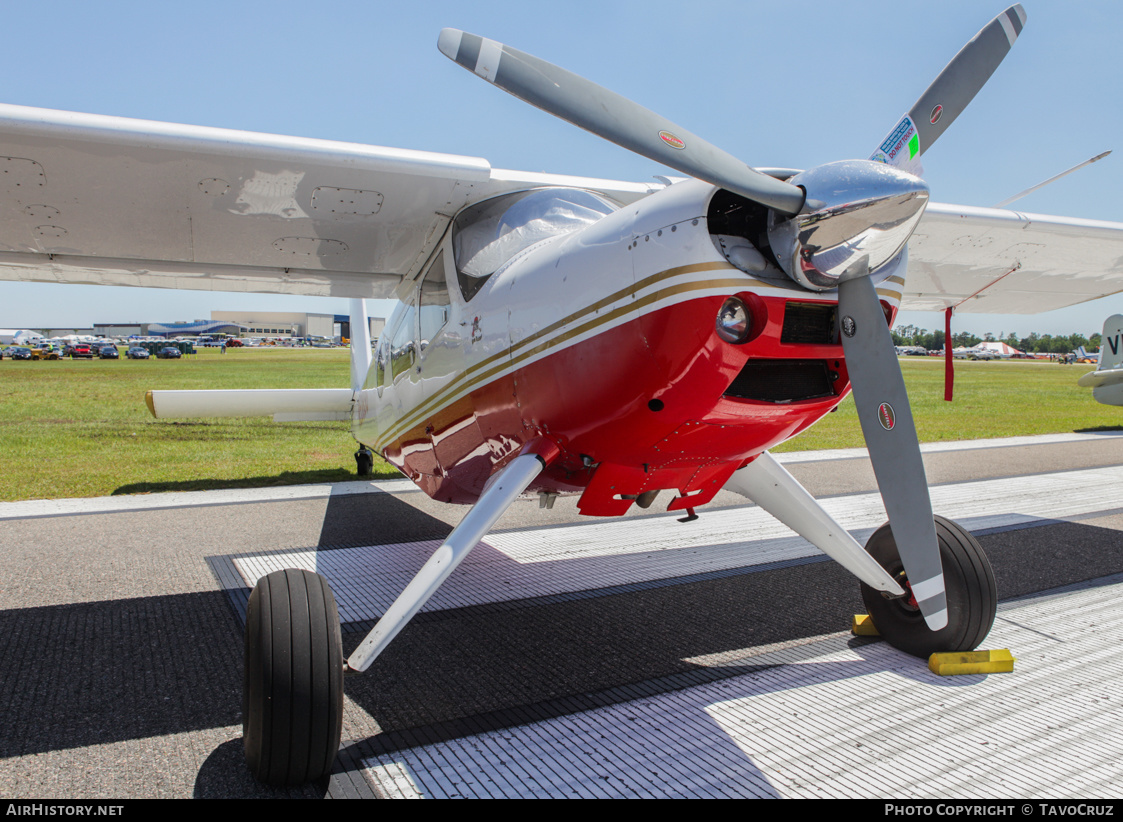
594,400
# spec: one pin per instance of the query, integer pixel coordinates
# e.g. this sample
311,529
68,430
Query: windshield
489,234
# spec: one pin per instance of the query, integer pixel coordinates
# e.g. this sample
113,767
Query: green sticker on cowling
914,146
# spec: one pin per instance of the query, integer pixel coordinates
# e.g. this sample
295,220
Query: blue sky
776,84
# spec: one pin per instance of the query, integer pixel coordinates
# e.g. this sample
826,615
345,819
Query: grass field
81,428
1001,398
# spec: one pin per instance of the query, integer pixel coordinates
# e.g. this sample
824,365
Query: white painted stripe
830,721
937,620
487,62
957,445
590,556
187,499
928,588
183,499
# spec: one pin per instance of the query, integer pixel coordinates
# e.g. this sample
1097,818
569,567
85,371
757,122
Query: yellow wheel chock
862,625
1000,661
953,663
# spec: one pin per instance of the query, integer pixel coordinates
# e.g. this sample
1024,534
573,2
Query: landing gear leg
364,461
972,598
497,497
292,702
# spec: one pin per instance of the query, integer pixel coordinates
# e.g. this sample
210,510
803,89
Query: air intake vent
810,324
782,381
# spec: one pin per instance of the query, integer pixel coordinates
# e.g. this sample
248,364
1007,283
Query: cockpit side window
488,234
402,349
435,304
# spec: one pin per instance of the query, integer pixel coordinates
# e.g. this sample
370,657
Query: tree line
1033,344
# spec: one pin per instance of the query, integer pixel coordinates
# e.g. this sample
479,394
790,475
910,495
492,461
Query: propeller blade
886,418
613,117
951,91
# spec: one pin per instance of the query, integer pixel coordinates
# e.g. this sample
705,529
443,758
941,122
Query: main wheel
971,594
292,704
364,461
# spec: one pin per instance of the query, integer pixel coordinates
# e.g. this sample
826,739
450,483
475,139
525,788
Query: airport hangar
238,323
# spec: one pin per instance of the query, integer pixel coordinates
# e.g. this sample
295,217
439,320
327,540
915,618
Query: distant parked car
169,353
81,350
19,353
137,353
108,352
45,352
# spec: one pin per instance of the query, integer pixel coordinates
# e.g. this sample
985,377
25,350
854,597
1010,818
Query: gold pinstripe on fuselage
518,355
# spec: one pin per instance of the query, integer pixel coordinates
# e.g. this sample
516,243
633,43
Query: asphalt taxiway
572,657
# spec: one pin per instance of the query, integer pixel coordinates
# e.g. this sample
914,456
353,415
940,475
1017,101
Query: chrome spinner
857,216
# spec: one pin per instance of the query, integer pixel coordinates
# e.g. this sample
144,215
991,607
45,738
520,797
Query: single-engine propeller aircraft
563,335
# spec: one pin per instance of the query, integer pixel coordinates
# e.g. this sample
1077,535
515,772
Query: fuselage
601,338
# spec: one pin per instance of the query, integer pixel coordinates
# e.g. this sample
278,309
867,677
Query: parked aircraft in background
1083,356
564,335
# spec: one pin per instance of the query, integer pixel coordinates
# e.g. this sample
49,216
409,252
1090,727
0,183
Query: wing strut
504,488
767,483
949,364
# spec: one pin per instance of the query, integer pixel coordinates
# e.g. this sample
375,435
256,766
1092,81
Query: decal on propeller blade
671,140
886,416
901,146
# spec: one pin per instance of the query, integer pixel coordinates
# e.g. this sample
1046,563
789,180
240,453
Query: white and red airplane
562,335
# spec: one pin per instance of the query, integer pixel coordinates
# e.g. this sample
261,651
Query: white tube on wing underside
284,405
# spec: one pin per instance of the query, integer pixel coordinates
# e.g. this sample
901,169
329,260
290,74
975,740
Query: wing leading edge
114,201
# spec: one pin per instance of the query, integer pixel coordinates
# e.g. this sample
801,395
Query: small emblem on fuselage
886,416
849,326
477,334
936,112
671,140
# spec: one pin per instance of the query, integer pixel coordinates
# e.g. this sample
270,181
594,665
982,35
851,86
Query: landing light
734,322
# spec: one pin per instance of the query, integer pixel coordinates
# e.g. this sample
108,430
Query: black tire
364,461
292,703
971,595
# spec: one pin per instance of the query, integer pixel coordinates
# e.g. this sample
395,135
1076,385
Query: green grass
1006,398
81,428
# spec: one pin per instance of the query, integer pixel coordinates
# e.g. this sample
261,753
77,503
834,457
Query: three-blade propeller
875,375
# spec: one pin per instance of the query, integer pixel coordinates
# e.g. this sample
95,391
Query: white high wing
559,334
174,206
